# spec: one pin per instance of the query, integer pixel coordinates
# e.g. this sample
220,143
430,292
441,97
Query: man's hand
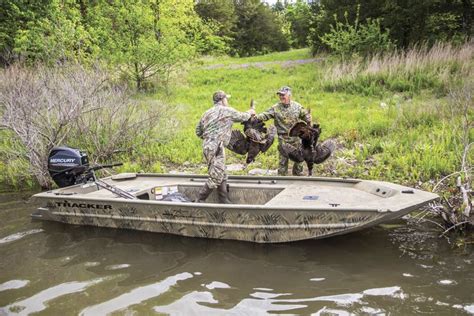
252,112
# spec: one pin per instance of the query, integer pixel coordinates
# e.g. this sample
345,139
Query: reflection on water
37,302
19,235
135,296
13,284
60,269
263,303
117,266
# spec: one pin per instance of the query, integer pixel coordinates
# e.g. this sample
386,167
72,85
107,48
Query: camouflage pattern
285,116
215,159
268,216
284,90
215,128
250,224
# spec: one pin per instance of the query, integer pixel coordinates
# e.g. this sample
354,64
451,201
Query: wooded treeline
148,37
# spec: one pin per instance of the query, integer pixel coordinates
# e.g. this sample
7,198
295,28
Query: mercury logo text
64,160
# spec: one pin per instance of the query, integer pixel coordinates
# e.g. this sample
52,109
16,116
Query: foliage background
381,83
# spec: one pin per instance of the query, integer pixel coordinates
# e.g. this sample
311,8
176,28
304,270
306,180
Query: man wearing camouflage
215,128
285,114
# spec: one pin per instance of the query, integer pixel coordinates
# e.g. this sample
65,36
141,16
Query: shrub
46,107
346,40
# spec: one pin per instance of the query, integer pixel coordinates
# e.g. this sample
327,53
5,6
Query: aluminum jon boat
266,209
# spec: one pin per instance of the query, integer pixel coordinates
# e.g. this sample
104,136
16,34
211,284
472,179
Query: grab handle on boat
115,190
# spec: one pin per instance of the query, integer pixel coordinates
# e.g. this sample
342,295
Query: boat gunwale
247,207
423,200
247,177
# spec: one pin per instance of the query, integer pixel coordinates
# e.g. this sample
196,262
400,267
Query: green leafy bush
347,40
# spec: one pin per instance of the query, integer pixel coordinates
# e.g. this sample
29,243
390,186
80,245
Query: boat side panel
254,225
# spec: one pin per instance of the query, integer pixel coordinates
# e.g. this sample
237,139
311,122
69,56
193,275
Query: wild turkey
308,150
255,139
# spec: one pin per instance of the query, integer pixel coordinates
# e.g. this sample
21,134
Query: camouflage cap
284,90
219,95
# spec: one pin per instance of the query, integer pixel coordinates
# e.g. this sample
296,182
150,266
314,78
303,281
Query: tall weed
436,68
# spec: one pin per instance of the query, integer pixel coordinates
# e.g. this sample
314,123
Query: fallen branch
437,224
452,227
449,176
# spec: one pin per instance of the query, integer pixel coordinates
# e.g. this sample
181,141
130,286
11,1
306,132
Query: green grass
434,68
395,137
294,54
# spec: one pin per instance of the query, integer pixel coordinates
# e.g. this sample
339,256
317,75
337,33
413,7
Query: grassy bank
403,135
390,123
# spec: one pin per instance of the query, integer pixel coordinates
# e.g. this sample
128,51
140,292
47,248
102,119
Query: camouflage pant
215,158
283,161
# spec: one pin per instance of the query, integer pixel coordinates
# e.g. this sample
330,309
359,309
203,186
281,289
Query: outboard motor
68,166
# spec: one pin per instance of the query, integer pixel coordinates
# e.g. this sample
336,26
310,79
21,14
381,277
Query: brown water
55,269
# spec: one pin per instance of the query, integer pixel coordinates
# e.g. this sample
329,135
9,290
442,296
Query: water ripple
135,296
13,284
447,282
262,303
37,302
351,298
383,291
191,304
117,266
468,308
340,299
332,311
16,236
217,285
265,295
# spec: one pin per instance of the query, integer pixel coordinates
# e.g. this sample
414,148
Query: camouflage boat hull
269,209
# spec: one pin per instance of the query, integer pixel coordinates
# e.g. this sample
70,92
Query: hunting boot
223,193
203,193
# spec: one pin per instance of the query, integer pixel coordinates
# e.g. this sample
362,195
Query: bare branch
452,227
47,107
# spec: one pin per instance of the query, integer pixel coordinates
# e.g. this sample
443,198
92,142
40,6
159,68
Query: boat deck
267,191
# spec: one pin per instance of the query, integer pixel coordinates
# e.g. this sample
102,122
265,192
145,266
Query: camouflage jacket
284,116
216,123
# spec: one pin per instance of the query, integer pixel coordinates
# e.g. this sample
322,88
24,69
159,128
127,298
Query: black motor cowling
67,166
